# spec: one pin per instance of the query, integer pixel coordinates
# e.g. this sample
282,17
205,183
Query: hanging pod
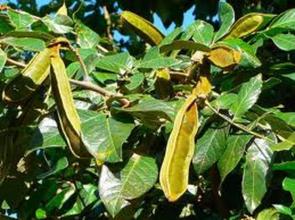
249,24
25,84
174,172
142,27
67,114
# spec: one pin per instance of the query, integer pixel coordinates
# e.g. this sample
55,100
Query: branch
107,17
16,63
241,127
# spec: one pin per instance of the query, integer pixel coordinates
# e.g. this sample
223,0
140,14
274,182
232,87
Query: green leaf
287,144
3,58
26,43
288,117
150,111
104,136
184,45
204,33
20,20
283,209
118,63
235,148
286,21
227,18
284,166
209,148
40,214
171,37
61,164
154,60
5,25
247,96
256,169
86,37
225,100
268,214
249,59
285,42
137,177
59,24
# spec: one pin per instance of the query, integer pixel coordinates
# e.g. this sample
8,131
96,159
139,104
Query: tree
198,123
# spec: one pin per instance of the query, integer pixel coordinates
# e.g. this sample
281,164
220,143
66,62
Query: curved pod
174,172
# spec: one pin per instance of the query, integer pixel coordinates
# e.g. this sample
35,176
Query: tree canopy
196,124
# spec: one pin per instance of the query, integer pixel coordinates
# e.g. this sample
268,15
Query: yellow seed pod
25,84
163,84
203,87
67,114
142,27
224,57
248,24
174,172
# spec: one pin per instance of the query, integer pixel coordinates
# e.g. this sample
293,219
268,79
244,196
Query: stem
100,90
16,63
107,17
241,127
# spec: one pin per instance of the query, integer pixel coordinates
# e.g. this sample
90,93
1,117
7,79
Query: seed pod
203,87
174,172
24,85
67,114
163,84
224,57
142,27
249,24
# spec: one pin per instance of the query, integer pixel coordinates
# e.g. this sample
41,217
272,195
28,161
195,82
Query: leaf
25,43
118,63
284,166
227,18
150,111
285,42
25,84
209,148
104,136
287,144
247,96
154,60
288,117
248,24
59,24
235,148
248,58
61,164
174,172
20,20
142,27
285,20
68,117
225,100
63,10
183,45
86,37
3,58
136,178
269,214
256,169
204,33
224,57
171,37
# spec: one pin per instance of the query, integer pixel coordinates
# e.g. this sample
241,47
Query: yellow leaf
224,57
142,27
249,24
24,85
63,10
174,172
68,117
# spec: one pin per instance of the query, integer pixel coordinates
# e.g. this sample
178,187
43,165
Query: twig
241,127
102,48
107,17
16,63
100,90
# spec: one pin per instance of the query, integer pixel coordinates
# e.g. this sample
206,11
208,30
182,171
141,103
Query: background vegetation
84,126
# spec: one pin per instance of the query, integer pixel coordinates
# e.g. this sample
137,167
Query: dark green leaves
247,96
209,148
254,183
235,149
137,177
104,135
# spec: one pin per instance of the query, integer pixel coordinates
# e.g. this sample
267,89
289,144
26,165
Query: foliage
202,117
